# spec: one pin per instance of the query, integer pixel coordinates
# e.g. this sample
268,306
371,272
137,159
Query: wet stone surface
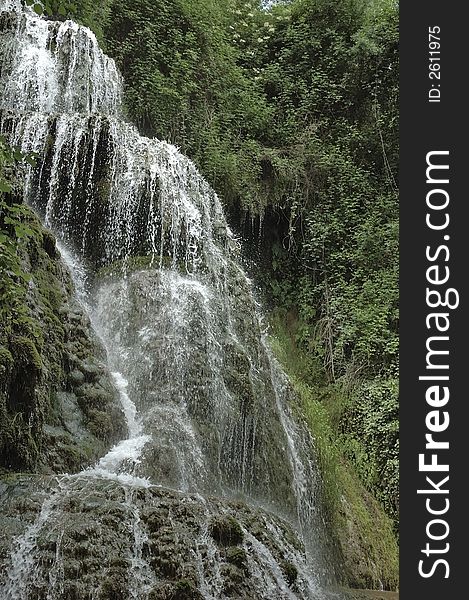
86,534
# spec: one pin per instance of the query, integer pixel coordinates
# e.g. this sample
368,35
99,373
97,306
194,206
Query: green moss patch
46,348
226,531
362,530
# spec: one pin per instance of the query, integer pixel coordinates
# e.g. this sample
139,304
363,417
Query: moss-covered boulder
226,531
59,409
105,540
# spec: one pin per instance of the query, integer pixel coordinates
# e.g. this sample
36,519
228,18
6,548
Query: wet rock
233,577
114,586
237,556
49,244
186,590
76,377
91,528
49,419
290,572
226,531
153,520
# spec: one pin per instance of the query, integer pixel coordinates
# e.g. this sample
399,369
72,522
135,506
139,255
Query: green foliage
332,72
184,85
30,333
351,434
370,435
14,232
53,8
9,156
18,330
344,220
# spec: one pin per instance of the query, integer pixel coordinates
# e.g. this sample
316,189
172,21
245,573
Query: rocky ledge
59,409
102,538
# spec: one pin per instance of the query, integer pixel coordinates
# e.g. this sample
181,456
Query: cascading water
215,475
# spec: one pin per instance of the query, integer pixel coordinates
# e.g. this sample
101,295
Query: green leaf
21,231
16,209
31,160
5,187
38,9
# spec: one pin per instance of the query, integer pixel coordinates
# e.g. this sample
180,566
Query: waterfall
215,488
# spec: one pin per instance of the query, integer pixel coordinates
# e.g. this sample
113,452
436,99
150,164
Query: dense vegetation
291,113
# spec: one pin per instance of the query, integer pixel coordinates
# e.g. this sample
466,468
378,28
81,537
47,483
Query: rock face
59,408
119,540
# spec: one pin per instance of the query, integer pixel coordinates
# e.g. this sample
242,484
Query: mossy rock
49,244
71,591
289,571
237,556
92,396
26,354
365,545
47,348
169,591
154,521
233,578
76,378
114,586
186,590
6,361
226,531
165,567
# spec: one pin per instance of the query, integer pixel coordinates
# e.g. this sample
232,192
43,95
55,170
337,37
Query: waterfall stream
212,444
